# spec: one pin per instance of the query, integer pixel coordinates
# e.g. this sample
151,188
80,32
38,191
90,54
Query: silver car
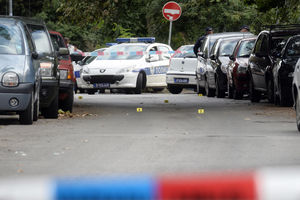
19,71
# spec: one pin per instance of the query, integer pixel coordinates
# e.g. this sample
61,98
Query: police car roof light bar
139,39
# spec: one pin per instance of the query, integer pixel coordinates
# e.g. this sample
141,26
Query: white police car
134,64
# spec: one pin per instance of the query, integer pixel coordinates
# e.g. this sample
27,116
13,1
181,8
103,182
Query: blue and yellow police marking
200,111
139,109
200,95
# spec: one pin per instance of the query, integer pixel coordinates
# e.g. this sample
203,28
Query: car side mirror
35,55
231,57
63,51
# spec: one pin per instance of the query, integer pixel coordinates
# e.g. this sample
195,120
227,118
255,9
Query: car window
58,42
40,39
293,48
29,41
258,44
264,45
11,40
245,48
277,45
124,52
165,52
185,51
226,47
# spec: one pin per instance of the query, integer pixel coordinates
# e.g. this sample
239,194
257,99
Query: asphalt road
107,136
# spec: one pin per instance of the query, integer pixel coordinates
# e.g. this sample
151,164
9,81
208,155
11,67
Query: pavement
152,133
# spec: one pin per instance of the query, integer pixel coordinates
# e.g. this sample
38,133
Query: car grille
103,78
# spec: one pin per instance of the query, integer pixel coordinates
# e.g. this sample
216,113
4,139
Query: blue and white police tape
126,53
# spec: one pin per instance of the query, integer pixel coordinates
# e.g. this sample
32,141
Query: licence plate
181,80
101,85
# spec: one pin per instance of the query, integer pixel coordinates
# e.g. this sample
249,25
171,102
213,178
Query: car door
259,61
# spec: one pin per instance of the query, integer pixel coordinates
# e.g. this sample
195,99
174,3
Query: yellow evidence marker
166,101
80,97
139,109
200,111
200,95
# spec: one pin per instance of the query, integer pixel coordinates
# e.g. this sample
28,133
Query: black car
49,66
222,49
283,71
267,47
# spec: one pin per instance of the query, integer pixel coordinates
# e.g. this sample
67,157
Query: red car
67,79
237,70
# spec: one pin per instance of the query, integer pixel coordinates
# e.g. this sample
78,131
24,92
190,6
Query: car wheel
26,116
219,93
67,104
254,95
52,111
174,89
284,99
139,84
237,94
209,92
298,113
36,111
270,91
230,90
276,97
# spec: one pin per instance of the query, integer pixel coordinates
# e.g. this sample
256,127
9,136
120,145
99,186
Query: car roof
228,34
282,30
28,20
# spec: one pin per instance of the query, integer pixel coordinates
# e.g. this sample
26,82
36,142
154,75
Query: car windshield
246,48
11,41
123,52
293,48
226,48
185,51
40,39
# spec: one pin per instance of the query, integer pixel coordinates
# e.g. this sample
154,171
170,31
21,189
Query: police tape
264,184
132,53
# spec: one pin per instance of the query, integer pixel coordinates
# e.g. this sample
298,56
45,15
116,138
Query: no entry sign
171,11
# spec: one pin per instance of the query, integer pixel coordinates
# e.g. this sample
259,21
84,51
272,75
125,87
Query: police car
133,64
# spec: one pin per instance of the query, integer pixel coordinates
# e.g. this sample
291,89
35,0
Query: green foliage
91,24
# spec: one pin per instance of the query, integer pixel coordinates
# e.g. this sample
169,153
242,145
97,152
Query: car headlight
126,69
85,70
63,74
10,79
46,69
224,69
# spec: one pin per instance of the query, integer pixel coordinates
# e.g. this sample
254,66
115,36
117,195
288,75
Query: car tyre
174,89
36,111
270,92
284,99
139,84
52,111
209,92
230,90
219,93
254,95
297,113
26,116
67,104
237,94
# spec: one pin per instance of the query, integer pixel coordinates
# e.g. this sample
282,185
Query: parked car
182,70
49,66
237,70
296,92
283,71
205,75
268,46
132,65
220,52
19,71
81,85
66,72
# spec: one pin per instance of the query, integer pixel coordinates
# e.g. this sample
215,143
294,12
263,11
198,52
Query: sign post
171,11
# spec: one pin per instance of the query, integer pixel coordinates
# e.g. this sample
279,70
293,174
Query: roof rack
277,27
139,39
